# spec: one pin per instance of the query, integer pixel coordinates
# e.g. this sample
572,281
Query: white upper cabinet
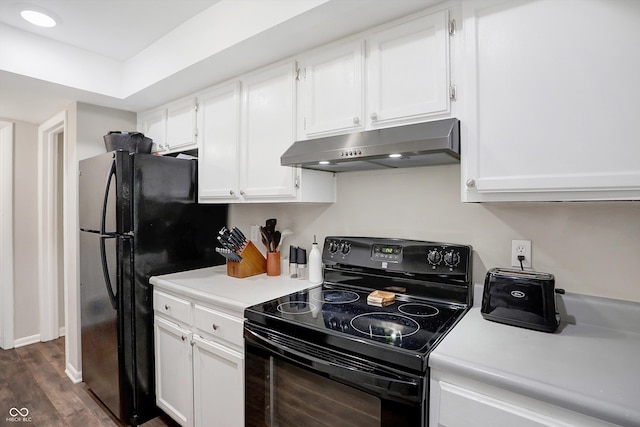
181,125
409,71
553,100
219,143
267,129
172,127
244,127
153,124
397,74
334,89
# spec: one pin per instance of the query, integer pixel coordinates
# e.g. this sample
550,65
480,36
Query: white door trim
47,230
6,235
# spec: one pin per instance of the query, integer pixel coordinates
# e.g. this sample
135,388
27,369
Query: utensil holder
273,263
252,263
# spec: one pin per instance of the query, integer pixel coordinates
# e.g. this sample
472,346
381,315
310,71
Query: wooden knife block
252,263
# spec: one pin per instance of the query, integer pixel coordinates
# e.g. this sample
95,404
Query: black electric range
432,287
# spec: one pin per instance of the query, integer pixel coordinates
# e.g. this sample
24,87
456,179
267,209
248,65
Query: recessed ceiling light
38,18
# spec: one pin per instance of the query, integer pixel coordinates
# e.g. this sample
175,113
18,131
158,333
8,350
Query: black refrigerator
139,217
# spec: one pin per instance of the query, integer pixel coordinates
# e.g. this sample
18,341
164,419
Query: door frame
6,235
48,134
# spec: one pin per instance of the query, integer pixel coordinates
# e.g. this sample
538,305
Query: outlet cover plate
521,247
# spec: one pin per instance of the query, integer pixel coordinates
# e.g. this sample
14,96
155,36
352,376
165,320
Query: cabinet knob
215,327
356,120
183,337
166,307
242,192
232,193
471,183
374,116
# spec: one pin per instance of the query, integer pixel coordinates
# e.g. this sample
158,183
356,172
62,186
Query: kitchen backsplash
592,248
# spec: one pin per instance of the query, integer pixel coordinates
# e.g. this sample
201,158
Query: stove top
430,297
409,323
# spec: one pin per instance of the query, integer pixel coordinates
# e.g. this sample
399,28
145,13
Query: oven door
289,382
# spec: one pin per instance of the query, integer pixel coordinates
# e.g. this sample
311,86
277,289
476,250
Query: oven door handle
389,386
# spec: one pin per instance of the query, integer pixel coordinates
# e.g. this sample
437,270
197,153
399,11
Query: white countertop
212,285
591,365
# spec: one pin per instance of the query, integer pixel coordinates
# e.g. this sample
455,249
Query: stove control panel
411,256
389,253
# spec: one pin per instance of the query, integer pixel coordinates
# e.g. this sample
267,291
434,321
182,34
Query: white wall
25,264
592,247
86,126
94,122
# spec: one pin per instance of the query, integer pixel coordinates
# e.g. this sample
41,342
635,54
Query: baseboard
21,342
74,375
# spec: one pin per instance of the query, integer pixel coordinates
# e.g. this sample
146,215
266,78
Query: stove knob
345,248
333,246
344,326
434,257
452,259
334,324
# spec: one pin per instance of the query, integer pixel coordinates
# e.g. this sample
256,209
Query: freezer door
97,197
99,318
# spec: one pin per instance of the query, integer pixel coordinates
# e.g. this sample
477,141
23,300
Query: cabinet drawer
212,323
173,307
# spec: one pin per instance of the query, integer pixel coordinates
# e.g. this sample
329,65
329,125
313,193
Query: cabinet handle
166,307
374,116
215,327
356,120
183,337
471,183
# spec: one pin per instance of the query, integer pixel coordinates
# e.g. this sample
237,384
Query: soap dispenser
315,264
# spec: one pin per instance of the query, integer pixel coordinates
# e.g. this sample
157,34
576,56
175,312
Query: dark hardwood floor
33,377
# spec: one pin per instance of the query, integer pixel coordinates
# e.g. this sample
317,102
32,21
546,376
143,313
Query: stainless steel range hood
422,144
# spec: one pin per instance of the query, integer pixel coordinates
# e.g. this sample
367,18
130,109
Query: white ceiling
117,29
118,33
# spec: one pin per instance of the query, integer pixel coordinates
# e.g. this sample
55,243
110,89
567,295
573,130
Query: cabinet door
154,125
218,385
267,130
481,405
409,71
181,125
218,144
553,102
333,89
174,384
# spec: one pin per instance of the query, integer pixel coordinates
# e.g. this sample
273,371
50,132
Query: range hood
422,144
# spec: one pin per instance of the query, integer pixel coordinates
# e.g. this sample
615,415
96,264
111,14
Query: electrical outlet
521,247
255,230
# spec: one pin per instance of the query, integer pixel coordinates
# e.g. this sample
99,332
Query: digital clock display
386,254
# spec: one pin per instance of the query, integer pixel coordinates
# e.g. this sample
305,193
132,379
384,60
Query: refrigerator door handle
105,272
103,219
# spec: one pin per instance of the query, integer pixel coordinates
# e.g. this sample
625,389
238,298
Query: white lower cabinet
458,402
199,362
174,381
215,365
